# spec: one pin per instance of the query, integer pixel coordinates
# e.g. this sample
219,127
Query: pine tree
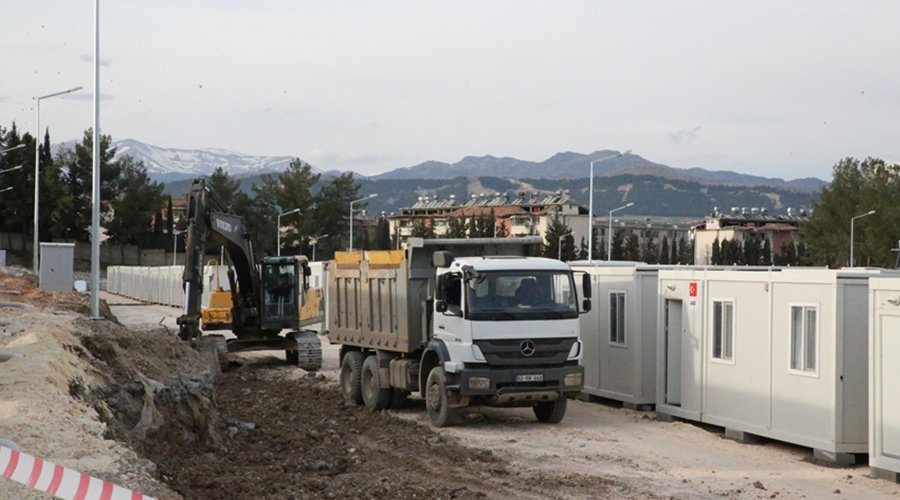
618,245
170,217
649,252
716,255
685,251
767,252
558,231
674,255
632,247
472,228
456,227
382,234
664,251
583,250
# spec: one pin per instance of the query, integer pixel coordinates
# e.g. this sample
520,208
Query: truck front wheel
351,371
437,402
374,397
552,412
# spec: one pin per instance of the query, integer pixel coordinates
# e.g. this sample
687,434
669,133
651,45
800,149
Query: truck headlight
573,379
575,351
477,355
479,383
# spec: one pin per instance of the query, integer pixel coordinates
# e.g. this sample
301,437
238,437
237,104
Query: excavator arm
205,223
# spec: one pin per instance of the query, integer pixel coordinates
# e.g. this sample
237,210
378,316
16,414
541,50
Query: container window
617,317
804,338
723,330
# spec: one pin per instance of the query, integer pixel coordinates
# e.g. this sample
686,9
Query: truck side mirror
586,292
440,306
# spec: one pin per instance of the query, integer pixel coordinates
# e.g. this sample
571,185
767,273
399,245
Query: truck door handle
441,327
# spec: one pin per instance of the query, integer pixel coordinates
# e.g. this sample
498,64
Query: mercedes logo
527,348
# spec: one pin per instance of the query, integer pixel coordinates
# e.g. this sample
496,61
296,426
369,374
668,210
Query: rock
758,485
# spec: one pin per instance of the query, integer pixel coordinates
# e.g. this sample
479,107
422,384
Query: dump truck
461,322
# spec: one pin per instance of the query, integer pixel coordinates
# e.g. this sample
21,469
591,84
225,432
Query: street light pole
278,244
17,167
852,220
351,215
591,204
7,150
37,168
609,235
315,240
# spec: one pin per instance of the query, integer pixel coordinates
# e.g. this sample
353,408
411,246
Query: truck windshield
520,295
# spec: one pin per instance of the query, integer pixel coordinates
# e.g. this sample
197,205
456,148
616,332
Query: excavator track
308,354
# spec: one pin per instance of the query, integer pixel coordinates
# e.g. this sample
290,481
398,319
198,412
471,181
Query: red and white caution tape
59,481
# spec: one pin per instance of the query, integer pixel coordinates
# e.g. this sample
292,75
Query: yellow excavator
264,294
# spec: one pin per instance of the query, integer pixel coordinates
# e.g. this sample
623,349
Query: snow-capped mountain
170,164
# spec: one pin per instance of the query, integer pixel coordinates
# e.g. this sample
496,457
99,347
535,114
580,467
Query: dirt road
628,451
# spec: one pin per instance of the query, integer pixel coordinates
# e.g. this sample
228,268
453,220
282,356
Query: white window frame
712,339
804,307
624,319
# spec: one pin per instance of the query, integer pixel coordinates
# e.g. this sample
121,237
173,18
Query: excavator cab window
280,290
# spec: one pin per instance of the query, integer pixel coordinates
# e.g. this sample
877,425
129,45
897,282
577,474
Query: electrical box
57,267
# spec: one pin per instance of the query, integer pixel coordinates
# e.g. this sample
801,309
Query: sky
779,89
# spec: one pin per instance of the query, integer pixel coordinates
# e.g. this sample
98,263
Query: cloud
90,59
685,136
4,98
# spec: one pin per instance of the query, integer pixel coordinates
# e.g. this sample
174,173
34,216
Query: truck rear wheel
351,371
374,397
552,412
437,402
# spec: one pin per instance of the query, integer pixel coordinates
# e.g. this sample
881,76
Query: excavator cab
281,279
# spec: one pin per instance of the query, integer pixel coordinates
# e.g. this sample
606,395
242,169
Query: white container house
619,333
884,378
779,353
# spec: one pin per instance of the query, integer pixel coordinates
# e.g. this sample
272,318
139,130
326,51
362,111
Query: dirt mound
289,437
156,389
26,284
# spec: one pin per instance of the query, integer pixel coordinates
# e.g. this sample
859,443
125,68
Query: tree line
132,205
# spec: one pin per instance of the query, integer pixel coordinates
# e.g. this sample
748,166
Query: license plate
538,377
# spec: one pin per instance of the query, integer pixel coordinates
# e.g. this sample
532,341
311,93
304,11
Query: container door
888,378
674,333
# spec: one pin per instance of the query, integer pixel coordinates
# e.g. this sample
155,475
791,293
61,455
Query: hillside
570,165
651,195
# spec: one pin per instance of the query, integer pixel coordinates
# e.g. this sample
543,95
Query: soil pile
293,437
40,407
